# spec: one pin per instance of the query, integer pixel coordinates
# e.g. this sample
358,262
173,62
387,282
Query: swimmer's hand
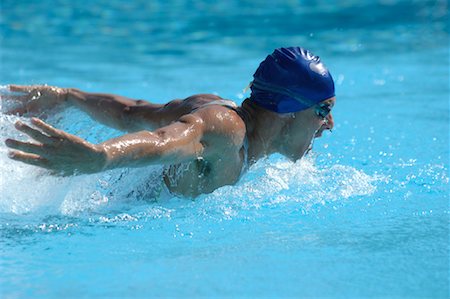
56,150
32,99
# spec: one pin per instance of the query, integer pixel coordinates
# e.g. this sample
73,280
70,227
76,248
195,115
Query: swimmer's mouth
320,132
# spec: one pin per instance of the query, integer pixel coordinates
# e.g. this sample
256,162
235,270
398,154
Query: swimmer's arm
118,112
67,154
112,110
175,143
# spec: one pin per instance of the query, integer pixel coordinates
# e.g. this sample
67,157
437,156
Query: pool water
366,214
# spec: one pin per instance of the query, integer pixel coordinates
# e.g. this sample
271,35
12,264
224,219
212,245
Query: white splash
276,182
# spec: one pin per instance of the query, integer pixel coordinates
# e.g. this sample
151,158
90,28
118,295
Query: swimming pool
365,215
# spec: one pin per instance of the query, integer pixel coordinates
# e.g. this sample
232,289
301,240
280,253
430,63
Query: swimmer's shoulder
222,124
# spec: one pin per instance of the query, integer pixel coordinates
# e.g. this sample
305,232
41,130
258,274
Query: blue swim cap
290,80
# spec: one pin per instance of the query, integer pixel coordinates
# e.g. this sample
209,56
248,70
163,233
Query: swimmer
206,142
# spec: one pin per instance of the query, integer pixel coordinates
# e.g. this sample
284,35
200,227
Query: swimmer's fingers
14,103
20,88
36,160
26,147
33,98
21,93
39,90
33,133
46,128
18,100
26,88
31,159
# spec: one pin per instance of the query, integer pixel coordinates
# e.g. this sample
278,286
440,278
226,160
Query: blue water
365,215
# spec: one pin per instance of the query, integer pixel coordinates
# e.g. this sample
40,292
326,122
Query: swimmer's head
291,80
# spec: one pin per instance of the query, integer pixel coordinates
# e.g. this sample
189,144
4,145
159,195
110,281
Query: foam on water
276,181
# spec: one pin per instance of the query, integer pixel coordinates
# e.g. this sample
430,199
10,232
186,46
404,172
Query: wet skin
202,146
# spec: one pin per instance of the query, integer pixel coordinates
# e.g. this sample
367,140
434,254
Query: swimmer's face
305,126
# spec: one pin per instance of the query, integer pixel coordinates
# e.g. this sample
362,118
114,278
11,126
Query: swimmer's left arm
175,143
67,154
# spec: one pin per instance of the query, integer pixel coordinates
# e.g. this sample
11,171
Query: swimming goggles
322,110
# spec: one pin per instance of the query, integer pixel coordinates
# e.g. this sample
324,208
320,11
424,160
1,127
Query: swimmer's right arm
111,110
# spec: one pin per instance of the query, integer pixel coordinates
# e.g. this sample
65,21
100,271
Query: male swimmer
211,139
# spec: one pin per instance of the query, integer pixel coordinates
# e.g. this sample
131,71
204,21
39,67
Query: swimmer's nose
329,125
